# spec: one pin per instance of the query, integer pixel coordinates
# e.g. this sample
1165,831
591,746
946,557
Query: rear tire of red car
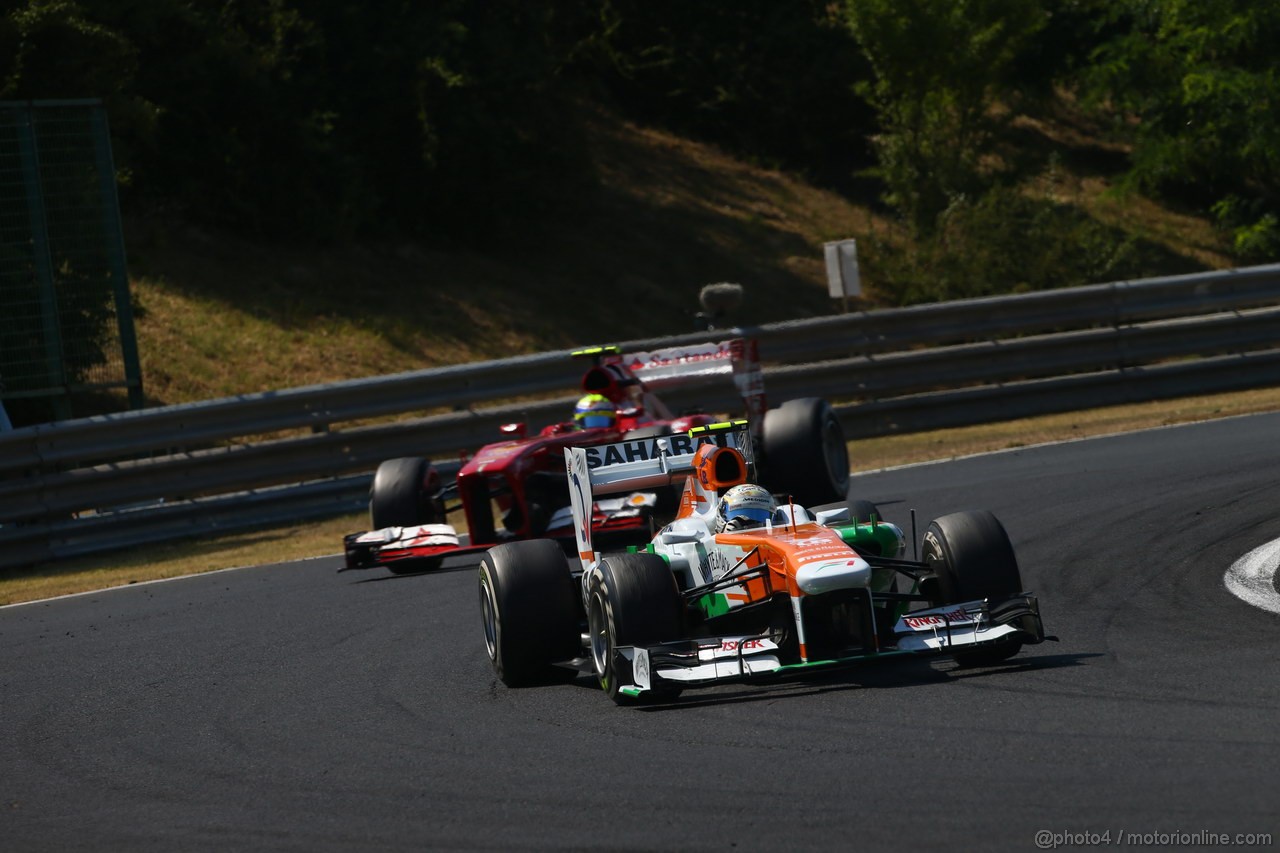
805,455
528,611
405,492
632,600
972,558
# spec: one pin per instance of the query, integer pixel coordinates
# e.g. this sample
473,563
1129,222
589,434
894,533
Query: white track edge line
1252,577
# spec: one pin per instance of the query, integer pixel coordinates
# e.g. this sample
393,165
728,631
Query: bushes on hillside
1193,86
1007,241
329,118
318,119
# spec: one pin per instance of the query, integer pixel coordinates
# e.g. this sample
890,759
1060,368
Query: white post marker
843,278
1252,577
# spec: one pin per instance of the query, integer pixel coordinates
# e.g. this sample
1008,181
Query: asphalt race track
294,708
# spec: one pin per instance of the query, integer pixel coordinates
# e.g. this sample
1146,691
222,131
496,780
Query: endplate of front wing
974,623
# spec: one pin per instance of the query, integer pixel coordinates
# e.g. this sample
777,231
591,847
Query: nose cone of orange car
821,576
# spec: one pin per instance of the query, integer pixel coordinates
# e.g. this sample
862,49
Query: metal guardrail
230,464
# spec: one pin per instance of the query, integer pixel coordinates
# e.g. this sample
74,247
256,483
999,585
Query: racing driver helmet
594,410
743,506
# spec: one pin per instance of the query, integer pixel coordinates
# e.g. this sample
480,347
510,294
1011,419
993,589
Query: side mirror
827,516
516,430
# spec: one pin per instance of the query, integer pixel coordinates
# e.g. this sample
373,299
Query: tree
1195,87
770,80
941,69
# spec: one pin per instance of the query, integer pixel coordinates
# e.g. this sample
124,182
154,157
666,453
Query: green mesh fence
66,329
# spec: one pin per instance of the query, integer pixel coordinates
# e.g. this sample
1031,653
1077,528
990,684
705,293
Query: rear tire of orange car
804,454
529,613
632,600
972,558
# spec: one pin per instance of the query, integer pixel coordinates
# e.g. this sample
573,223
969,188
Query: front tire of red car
405,492
528,612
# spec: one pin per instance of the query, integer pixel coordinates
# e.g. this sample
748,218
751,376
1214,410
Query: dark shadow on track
1026,664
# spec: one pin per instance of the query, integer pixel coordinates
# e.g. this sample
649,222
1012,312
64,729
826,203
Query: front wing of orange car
938,631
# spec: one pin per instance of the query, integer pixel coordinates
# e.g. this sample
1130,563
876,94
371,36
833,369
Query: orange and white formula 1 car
706,602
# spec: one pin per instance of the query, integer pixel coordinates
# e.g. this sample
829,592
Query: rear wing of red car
616,373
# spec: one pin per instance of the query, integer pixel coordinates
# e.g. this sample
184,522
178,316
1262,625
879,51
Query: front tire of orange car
632,600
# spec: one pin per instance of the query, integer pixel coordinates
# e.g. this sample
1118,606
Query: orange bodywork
779,549
714,469
690,501
782,549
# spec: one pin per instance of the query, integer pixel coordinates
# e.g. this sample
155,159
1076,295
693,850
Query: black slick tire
632,600
805,454
972,558
528,612
401,495
862,511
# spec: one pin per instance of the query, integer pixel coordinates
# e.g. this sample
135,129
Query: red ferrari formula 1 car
516,489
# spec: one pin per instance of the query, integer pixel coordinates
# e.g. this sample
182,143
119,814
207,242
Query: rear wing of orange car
642,463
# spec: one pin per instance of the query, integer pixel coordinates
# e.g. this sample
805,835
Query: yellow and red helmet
594,411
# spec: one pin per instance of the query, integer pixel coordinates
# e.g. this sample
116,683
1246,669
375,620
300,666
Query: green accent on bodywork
630,691
648,549
713,604
807,665
879,538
